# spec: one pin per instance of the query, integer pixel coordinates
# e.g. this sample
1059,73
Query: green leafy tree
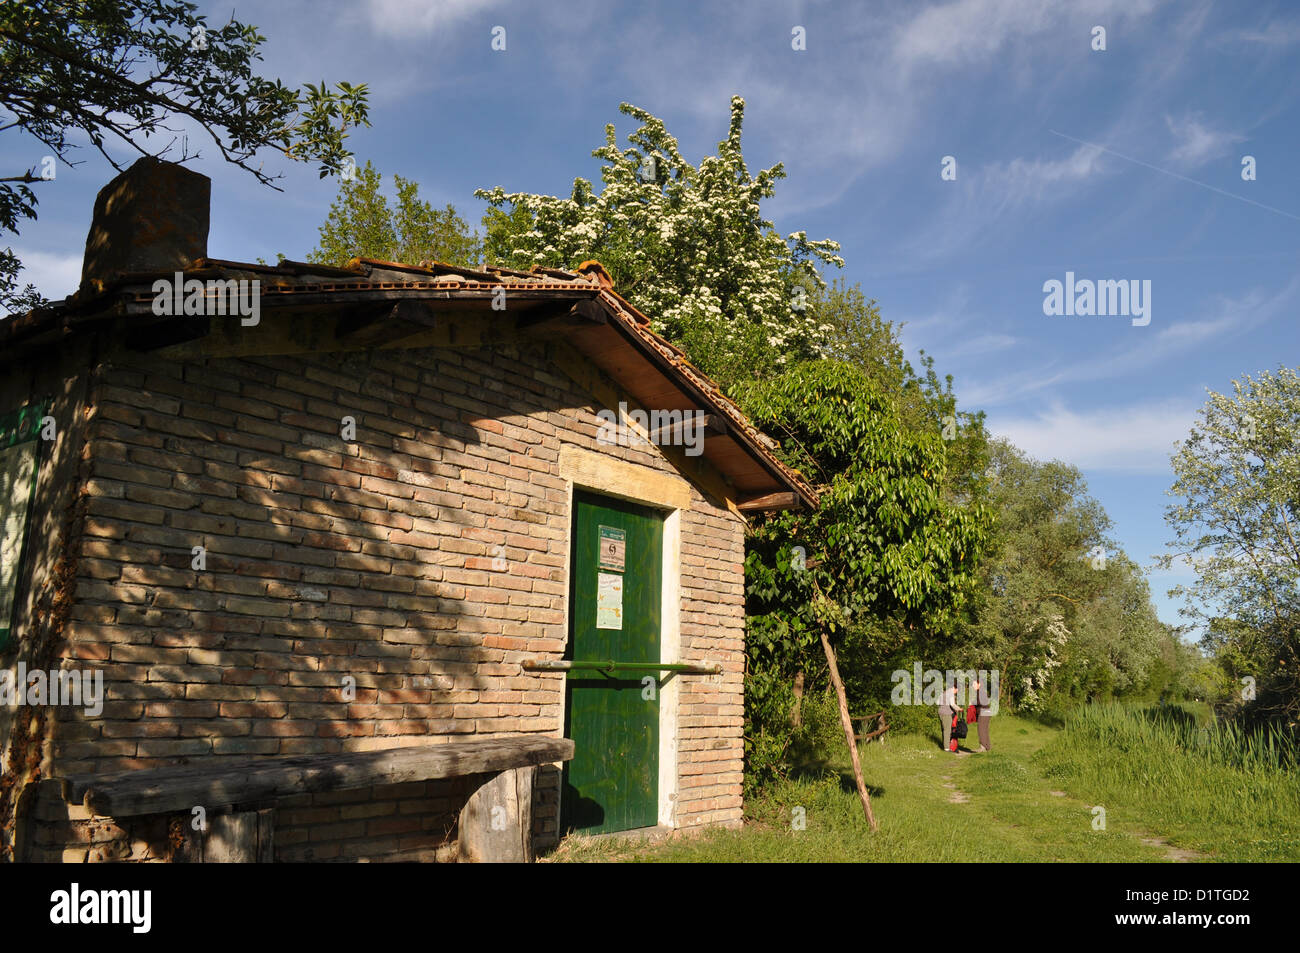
1237,477
1064,614
119,73
854,331
1115,638
883,545
500,230
1181,670
686,244
361,223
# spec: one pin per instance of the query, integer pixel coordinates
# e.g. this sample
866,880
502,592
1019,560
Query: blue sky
1122,164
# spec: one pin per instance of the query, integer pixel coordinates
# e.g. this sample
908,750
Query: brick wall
424,560
711,712
45,583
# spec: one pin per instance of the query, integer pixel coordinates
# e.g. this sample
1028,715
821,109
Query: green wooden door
612,783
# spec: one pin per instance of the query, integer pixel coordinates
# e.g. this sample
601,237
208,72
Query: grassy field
1030,799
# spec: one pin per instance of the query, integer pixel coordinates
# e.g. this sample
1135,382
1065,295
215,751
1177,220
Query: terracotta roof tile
304,279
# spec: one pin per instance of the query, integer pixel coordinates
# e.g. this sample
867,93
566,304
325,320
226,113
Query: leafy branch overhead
884,541
141,74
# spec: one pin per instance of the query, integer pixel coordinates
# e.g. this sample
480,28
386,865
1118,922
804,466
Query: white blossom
689,245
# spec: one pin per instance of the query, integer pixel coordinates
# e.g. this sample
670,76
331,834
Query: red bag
971,714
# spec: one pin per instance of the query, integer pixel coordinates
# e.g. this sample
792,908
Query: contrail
1154,168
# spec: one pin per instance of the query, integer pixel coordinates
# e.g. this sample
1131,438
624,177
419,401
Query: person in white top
984,695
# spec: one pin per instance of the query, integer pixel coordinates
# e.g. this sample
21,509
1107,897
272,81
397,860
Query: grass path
932,806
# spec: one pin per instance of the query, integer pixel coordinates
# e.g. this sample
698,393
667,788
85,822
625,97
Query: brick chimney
152,218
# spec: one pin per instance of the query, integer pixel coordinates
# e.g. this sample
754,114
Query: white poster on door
609,601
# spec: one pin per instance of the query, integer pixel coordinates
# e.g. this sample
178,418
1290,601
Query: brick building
345,549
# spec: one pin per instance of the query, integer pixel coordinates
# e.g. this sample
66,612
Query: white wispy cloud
1275,34
1011,184
982,197
973,31
55,275
982,345
1131,439
1196,143
966,31
407,17
1223,318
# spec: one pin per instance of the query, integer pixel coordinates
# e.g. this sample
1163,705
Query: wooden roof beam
769,502
564,317
386,325
674,434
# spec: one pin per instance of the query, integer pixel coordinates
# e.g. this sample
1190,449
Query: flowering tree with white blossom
686,244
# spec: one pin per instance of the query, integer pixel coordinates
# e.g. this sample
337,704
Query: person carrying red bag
949,712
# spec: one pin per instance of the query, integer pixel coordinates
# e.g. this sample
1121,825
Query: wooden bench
495,824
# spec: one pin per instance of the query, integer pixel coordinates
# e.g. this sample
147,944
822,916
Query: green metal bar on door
534,665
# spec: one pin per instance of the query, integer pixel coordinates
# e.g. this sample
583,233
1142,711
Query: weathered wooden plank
674,434
266,835
168,333
603,472
246,837
769,501
496,823
247,781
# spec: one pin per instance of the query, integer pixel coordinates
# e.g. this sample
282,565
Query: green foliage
1234,788
13,299
907,719
888,561
1238,524
1010,812
362,224
686,244
1179,671
884,542
500,231
819,733
1064,616
120,72
854,332
769,732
